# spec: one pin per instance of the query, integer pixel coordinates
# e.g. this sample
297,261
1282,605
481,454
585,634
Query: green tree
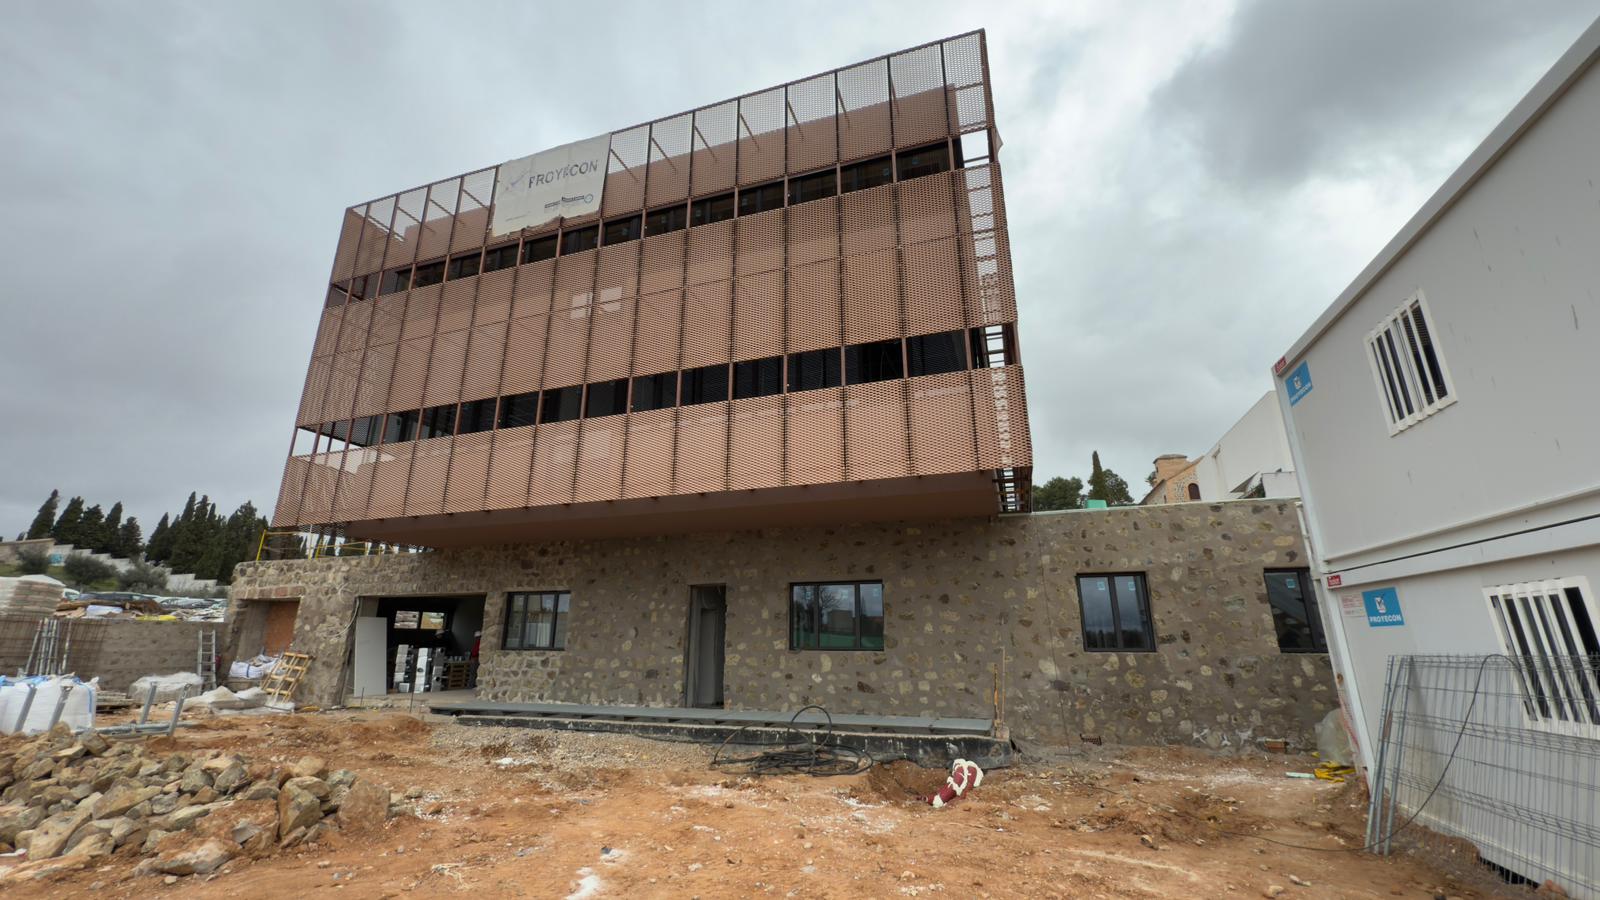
160,545
142,577
108,531
1058,493
1107,485
66,530
130,539
32,561
284,545
91,531
46,517
84,570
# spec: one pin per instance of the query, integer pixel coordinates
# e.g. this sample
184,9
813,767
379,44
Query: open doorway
708,617
423,644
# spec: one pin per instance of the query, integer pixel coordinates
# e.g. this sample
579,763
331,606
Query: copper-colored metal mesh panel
327,340
486,349
864,119
662,266
702,448
917,78
374,236
316,503
814,306
758,242
406,233
344,258
933,288
574,281
472,215
716,130
706,323
710,253
869,219
438,218
625,165
555,449
816,436
565,358
761,128
813,231
342,383
1002,418
758,316
430,466
648,472
875,424
656,346
445,368
756,452
422,311
372,394
494,296
963,70
388,318
509,460
357,321
354,485
668,180
524,366
600,459
389,481
927,209
813,134
469,470
618,269
531,296
455,310
315,391
287,512
941,424
611,338
980,204
871,304
410,374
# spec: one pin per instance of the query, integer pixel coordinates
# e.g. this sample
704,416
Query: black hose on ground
799,752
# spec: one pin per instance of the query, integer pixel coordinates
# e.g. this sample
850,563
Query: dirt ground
511,812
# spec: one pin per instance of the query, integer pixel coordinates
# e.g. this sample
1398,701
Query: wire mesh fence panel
455,307
710,256
758,316
389,476
388,319
1493,762
702,448
815,440
871,298
648,468
472,213
600,459
316,390
661,265
531,296
377,370
917,78
374,236
762,118
758,243
813,231
756,449
1001,418
352,332
875,431
716,132
813,306
656,344
667,180
864,116
510,458
933,287
354,487
707,319
486,349
469,472
625,168
430,468
437,221
927,209
343,377
941,424
964,68
287,512
555,454
344,257
813,138
445,368
422,311
869,219
494,296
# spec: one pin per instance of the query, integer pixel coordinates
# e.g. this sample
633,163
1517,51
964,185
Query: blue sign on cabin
1299,382
1383,607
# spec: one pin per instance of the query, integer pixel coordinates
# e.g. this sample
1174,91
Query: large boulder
202,859
365,806
53,833
121,798
297,808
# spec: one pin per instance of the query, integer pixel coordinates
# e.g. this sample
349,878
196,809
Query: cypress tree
130,539
109,531
46,517
91,531
66,529
160,546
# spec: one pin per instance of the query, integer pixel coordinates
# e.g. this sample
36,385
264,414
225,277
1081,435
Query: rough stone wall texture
116,652
958,594
10,550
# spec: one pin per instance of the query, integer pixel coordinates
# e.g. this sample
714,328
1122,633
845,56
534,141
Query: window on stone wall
1116,612
836,615
537,620
1294,611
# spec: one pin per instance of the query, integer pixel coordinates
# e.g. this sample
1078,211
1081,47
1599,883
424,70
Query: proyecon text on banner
562,181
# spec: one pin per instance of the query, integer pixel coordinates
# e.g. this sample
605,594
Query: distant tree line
1069,493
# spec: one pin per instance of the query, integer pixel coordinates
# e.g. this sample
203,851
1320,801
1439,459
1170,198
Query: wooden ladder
285,676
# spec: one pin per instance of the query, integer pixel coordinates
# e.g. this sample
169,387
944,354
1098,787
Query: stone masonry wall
118,652
958,595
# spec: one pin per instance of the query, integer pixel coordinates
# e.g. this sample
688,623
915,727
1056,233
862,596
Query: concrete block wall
118,652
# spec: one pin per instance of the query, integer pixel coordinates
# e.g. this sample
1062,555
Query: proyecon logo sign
562,181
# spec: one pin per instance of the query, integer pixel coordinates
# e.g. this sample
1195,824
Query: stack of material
30,595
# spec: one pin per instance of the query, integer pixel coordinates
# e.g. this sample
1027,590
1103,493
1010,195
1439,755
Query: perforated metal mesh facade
918,255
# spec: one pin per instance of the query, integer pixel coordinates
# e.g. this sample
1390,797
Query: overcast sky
1189,184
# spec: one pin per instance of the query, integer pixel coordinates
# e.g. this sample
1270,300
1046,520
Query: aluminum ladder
205,664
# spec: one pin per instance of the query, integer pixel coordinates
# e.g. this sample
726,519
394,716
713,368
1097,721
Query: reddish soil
517,813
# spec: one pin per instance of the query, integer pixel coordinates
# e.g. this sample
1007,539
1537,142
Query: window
438,421
711,209
761,198
655,391
1294,609
1412,381
338,293
923,161
816,186
539,249
608,398
931,354
430,274
993,345
878,361
561,404
464,266
518,410
705,385
339,431
497,258
619,231
365,431
1548,628
407,618
477,415
537,620
580,239
758,377
661,221
432,621
395,281
364,287
839,615
400,426
813,369
865,175
1116,612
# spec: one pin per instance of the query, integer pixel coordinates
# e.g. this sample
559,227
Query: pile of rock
68,798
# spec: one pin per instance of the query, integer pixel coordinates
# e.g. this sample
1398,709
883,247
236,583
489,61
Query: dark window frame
533,248
1309,610
685,398
471,418
556,396
428,274
759,198
873,361
504,256
622,229
666,219
756,377
800,184
710,204
920,362
851,176
600,389
832,369
587,235
666,380
464,265
512,617
816,624
1147,615
903,161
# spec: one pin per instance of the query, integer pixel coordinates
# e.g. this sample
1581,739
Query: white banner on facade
562,181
